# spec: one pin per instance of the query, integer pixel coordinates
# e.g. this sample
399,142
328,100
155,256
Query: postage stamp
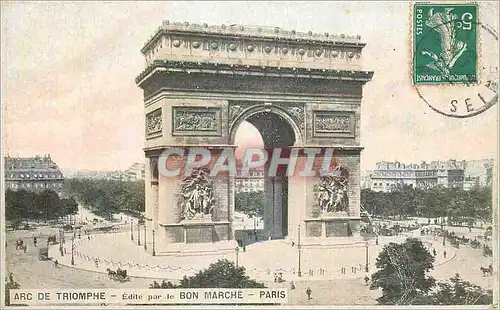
445,43
258,155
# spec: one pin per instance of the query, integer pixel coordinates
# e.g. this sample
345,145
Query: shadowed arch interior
276,132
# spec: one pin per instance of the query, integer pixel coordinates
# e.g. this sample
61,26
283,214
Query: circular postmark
459,95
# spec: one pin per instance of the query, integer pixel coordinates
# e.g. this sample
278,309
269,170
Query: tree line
107,197
457,204
46,205
251,203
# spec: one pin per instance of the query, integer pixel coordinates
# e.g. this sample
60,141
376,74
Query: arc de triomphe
299,90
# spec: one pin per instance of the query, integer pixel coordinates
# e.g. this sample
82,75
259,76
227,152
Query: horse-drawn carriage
118,275
487,271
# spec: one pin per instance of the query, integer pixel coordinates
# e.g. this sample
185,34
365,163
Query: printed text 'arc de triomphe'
298,89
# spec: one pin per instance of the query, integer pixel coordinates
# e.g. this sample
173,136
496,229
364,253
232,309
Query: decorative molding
293,49
154,123
340,124
192,67
196,121
249,32
296,111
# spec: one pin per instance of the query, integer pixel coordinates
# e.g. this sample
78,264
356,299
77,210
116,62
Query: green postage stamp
444,43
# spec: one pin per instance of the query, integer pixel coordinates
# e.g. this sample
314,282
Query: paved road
31,273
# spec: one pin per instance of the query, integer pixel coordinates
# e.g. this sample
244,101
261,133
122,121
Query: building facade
254,182
482,169
135,172
389,176
33,174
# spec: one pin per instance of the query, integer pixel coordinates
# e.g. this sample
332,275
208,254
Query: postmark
455,59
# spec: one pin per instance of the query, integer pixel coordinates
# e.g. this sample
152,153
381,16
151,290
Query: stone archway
202,81
278,130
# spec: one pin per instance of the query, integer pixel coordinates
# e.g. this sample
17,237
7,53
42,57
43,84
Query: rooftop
250,31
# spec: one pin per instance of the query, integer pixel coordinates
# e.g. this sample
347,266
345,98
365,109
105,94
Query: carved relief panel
197,191
154,124
196,121
333,197
334,124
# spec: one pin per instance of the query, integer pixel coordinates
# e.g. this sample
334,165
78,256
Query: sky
69,68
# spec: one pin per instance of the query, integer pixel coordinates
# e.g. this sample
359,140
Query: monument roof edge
221,67
255,32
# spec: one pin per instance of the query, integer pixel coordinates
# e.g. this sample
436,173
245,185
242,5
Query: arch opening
266,129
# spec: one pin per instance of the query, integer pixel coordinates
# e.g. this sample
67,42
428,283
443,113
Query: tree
402,272
48,204
458,292
69,207
221,274
251,203
106,197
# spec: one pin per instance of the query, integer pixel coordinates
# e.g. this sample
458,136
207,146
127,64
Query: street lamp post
131,230
299,273
237,250
444,232
145,246
154,253
61,242
73,251
138,233
366,257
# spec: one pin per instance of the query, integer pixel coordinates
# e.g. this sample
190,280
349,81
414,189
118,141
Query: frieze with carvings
154,123
331,123
196,121
297,112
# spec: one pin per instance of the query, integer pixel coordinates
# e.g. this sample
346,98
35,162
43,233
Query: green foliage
402,273
46,205
458,205
107,197
221,274
251,203
457,292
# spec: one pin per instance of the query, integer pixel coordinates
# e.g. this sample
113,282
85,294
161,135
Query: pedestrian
34,241
308,292
367,280
96,263
444,253
25,248
56,263
434,252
